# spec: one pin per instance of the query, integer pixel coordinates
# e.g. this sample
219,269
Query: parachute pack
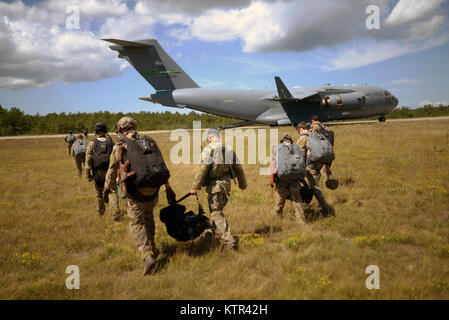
79,149
325,131
101,153
146,161
289,162
321,149
184,226
70,138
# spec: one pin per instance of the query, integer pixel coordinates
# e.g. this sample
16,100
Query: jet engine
343,101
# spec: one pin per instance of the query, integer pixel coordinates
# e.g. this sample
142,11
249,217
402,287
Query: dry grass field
391,210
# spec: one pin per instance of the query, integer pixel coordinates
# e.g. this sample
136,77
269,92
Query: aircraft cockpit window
387,93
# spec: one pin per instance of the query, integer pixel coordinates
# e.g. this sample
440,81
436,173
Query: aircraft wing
284,95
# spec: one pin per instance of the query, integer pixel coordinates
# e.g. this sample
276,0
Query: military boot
149,265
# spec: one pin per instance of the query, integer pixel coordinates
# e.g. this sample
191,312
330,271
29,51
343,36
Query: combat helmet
286,137
100,127
331,184
125,124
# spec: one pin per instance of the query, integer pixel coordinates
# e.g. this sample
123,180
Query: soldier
79,153
140,200
313,168
86,132
287,189
70,139
97,162
318,127
215,174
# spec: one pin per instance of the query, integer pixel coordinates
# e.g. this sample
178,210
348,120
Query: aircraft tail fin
283,92
153,63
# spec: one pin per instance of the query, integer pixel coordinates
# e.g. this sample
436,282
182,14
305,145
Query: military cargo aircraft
281,106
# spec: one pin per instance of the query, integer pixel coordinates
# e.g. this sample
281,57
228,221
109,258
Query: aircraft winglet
282,89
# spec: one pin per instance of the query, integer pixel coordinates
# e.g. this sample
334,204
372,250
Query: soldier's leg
100,203
220,225
313,177
79,167
141,225
149,225
114,205
295,197
280,194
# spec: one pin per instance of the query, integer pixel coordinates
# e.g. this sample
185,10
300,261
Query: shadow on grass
194,248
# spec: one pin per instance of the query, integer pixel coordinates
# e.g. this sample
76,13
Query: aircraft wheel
382,119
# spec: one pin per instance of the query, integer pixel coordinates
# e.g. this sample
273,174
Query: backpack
289,162
321,149
325,131
101,154
146,160
219,168
79,149
70,138
183,226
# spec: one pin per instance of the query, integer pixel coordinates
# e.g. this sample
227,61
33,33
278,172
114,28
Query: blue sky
45,67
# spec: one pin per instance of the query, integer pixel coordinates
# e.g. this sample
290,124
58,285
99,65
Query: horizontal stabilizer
129,44
153,63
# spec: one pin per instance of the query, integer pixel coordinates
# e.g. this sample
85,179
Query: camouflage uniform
141,218
69,143
215,175
288,190
318,127
113,196
79,162
313,174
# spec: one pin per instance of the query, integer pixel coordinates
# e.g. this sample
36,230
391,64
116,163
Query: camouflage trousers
79,165
289,191
217,201
113,199
141,226
313,178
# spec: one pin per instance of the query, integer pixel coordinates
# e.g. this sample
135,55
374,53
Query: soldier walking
79,153
317,127
313,174
70,139
287,188
132,159
215,174
97,162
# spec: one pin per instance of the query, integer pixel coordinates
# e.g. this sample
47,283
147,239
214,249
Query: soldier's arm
89,152
200,176
111,174
302,142
239,173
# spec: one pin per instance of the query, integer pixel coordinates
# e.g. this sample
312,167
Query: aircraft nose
395,101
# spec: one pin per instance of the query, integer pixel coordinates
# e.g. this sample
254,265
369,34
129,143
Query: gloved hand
89,175
106,193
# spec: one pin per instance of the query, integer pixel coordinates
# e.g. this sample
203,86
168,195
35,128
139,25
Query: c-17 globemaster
281,106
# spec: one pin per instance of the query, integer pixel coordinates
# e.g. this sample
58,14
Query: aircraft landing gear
382,119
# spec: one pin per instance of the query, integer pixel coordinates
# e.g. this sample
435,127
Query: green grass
391,210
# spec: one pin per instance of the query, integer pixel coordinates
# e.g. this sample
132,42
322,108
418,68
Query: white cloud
369,51
407,11
36,49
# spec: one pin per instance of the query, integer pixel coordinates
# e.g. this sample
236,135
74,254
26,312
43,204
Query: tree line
14,121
